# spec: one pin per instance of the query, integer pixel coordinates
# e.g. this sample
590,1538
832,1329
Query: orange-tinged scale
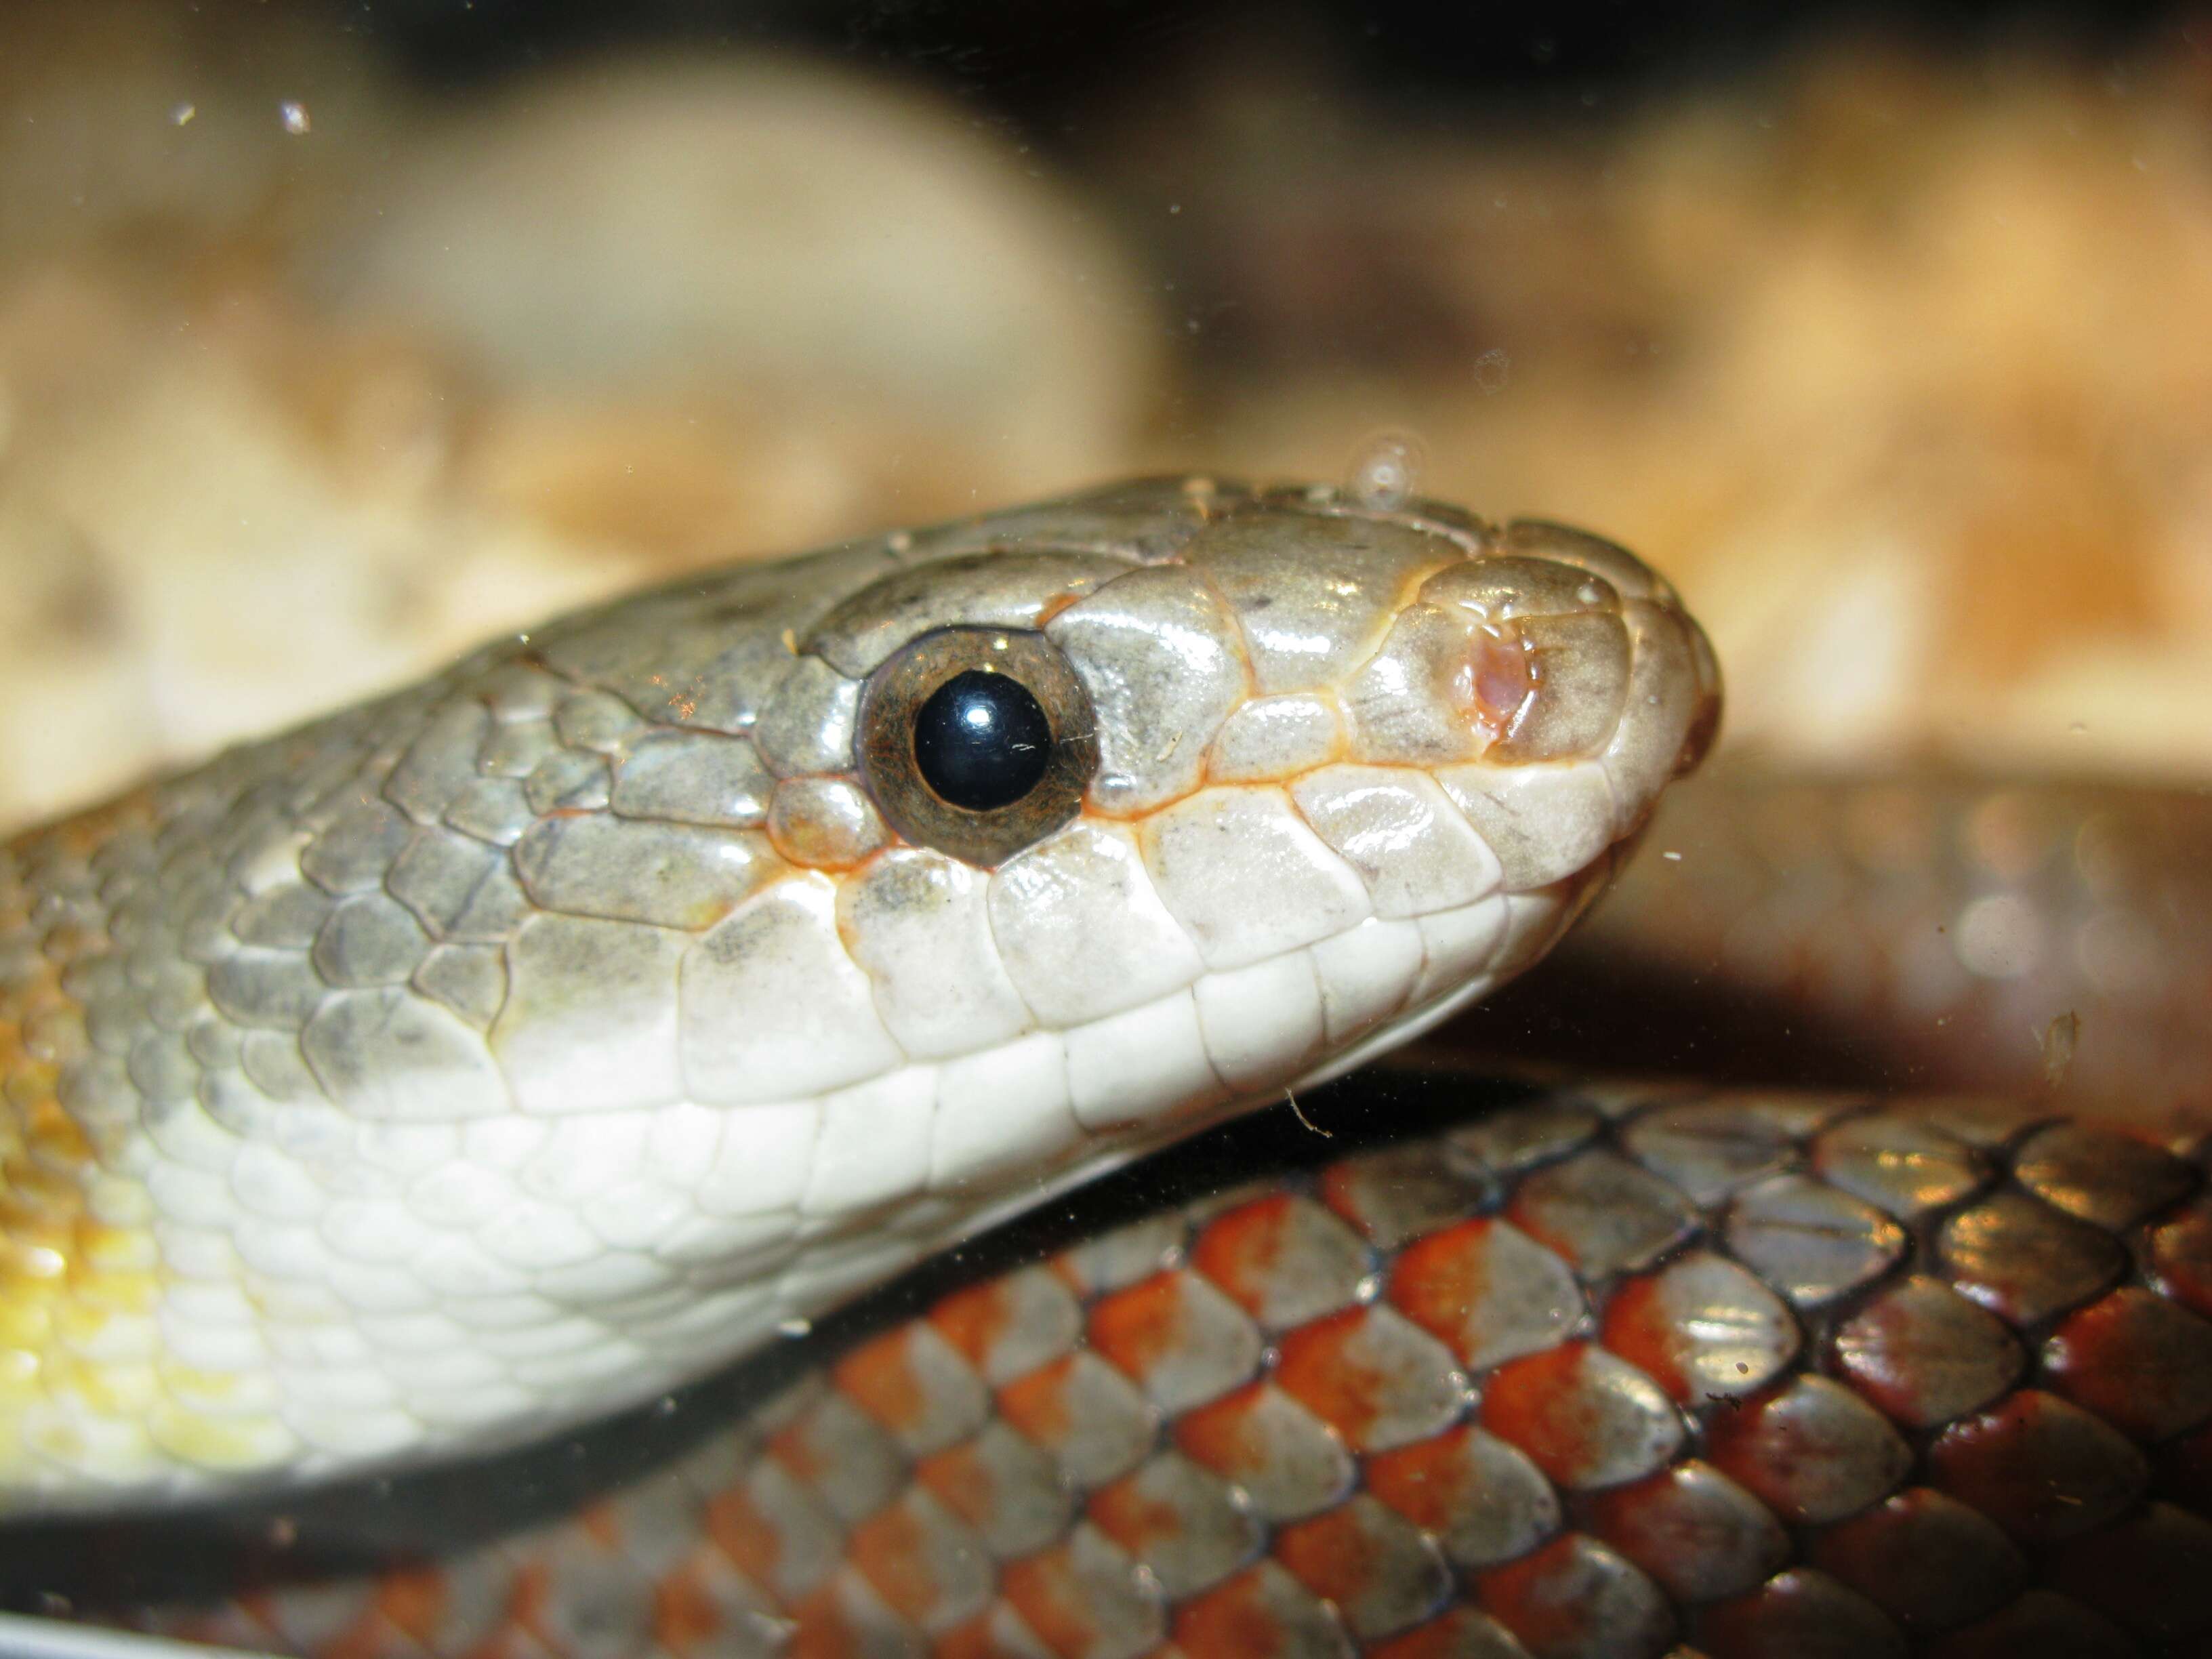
792,1446
1341,1188
1135,1327
1456,1633
1998,1461
1240,1251
90,830
50,1130
1643,1330
525,1597
1037,1405
600,1522
821,1631
1231,1621
1320,1368
367,1637
1536,1403
2180,1253
1045,1591
414,1600
744,1534
1331,1555
962,1481
685,1614
892,1553
1219,1435
38,1199
41,995
1439,1278
67,944
877,1378
511,1642
1062,1267
1138,1524
28,1071
2119,1358
974,1639
1523,1595
1426,1481
974,1319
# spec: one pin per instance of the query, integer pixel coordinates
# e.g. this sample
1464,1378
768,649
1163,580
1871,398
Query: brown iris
976,741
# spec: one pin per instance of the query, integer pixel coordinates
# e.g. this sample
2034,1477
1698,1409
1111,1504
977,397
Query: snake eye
980,741
976,741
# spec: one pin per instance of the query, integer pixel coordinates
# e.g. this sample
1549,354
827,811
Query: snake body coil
806,917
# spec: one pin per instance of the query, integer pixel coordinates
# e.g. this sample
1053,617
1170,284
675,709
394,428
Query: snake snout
1621,657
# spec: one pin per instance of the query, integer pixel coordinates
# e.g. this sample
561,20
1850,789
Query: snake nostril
1498,680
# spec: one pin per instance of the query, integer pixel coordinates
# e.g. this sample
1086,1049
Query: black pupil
980,741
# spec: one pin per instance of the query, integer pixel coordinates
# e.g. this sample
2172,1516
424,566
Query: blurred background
335,337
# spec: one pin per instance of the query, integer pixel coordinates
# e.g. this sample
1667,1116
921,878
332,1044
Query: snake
725,1124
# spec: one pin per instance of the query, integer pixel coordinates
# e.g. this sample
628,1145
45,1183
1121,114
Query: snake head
1236,786
534,1038
1076,826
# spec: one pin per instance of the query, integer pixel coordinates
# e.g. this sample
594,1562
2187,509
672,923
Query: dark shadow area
1583,1012
1029,61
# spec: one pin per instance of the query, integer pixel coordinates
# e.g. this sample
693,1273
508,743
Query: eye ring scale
976,741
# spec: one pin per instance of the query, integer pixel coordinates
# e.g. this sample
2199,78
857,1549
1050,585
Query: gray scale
858,1466
1162,660
495,810
369,938
278,990
2025,1260
1607,1214
692,777
470,980
670,875
1025,1505
568,780
352,855
1511,1507
462,890
1212,1536
1810,1241
807,725
595,719
1706,1149
1314,1264
1008,589
1404,1578
440,762
514,750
